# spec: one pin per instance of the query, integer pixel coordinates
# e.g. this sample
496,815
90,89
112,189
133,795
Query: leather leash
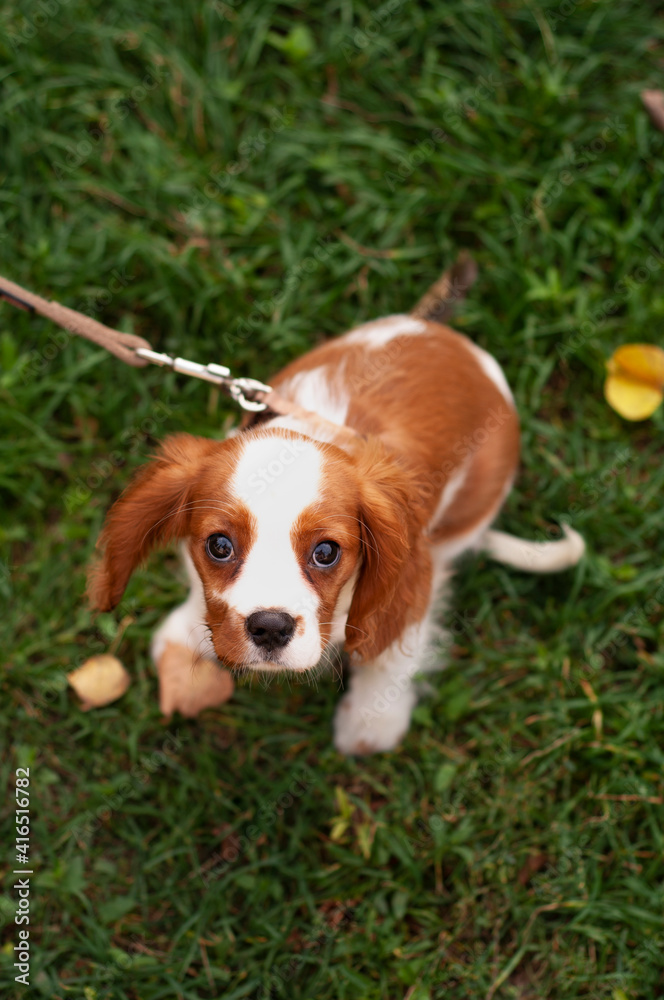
251,394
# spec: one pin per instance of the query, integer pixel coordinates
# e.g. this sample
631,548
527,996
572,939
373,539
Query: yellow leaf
632,399
642,361
635,383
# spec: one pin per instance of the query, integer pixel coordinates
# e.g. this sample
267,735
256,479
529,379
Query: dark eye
326,554
219,548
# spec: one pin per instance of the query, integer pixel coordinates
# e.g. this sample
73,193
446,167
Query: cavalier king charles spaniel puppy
301,536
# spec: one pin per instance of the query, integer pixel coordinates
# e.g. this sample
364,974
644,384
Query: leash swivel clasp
242,390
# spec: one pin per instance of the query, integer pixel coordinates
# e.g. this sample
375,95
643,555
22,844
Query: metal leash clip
240,389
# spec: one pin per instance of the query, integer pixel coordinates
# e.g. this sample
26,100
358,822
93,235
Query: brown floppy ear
394,584
154,509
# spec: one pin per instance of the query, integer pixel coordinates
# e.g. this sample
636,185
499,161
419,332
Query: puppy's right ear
154,509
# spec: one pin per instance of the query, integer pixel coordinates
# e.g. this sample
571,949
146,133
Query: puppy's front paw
364,727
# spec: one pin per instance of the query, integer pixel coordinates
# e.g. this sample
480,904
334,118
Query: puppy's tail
535,557
438,303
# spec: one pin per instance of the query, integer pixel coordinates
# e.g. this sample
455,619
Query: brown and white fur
433,459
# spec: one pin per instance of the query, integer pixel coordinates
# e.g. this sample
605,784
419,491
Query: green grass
173,167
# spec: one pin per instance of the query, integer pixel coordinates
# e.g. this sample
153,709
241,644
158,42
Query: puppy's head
297,544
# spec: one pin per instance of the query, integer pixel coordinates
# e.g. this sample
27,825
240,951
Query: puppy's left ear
154,509
394,585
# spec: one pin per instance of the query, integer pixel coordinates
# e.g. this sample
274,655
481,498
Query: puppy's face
297,544
276,542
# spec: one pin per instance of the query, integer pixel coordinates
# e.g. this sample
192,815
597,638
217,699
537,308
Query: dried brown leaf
99,681
187,685
653,101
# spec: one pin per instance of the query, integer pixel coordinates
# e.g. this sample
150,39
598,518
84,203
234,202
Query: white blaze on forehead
278,478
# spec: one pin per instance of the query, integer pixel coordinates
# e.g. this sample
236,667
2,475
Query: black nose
270,629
